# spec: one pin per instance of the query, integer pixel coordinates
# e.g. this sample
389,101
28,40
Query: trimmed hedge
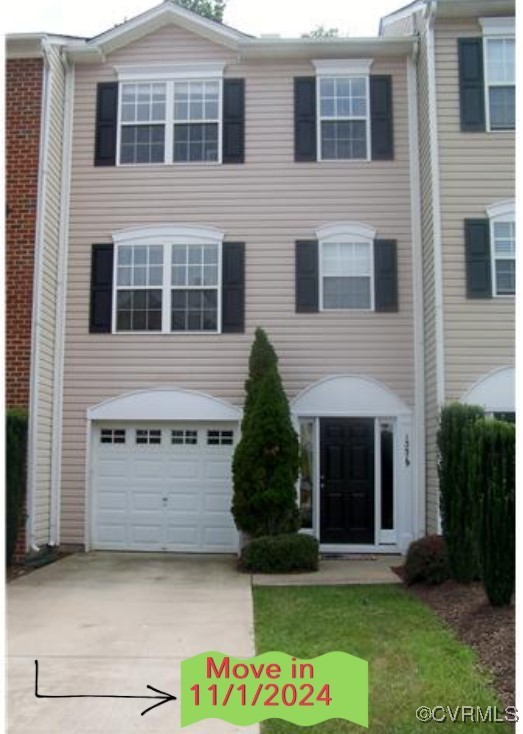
16,476
458,496
427,561
493,478
281,554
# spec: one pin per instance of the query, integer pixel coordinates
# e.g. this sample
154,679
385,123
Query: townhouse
466,97
213,182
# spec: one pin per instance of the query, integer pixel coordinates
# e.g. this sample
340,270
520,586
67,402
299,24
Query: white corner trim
498,26
506,208
175,234
33,431
154,72
61,288
419,493
345,230
165,403
436,209
342,67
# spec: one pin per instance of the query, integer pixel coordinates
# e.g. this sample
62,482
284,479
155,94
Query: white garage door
163,487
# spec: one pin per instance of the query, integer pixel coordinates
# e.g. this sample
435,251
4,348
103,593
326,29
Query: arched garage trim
164,404
345,395
495,391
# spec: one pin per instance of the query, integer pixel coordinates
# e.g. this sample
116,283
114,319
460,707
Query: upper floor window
346,269
490,252
170,114
503,251
500,82
487,77
167,281
344,119
343,113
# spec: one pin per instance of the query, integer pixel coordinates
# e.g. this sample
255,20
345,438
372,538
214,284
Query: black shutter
233,287
382,136
101,289
471,85
385,275
233,121
477,258
307,276
305,119
106,123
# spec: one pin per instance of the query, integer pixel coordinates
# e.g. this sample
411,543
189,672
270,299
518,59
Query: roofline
450,9
29,45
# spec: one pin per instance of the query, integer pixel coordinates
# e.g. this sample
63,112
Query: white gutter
32,441
56,445
419,496
436,206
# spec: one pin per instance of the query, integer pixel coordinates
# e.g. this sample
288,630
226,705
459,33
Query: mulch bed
490,631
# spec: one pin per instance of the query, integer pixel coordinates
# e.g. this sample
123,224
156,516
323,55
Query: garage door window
112,435
184,438
220,438
145,436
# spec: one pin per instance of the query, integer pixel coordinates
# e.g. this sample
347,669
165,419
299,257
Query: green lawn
414,659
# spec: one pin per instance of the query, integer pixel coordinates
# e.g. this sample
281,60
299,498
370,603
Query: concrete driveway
112,623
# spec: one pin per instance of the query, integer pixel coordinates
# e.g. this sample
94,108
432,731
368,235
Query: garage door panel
168,497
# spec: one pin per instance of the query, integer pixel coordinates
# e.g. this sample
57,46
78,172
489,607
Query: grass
414,660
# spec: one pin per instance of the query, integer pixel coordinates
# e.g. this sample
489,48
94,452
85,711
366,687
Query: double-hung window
347,270
503,252
171,116
499,52
194,280
343,110
196,121
167,282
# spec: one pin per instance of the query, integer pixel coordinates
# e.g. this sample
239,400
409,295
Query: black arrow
164,697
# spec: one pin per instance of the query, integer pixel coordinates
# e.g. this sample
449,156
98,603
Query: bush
281,554
427,561
266,460
458,496
493,477
15,483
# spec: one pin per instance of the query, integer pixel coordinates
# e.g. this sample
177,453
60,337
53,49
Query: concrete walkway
339,572
112,623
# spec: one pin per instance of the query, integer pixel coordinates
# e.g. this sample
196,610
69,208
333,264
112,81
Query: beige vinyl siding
44,358
429,312
268,202
400,27
477,169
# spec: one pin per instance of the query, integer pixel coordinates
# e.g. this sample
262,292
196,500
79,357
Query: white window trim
495,28
352,68
167,236
169,75
502,211
348,232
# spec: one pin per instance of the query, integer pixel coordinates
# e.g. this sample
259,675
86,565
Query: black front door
347,480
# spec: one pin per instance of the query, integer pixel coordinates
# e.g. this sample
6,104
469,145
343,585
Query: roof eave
300,48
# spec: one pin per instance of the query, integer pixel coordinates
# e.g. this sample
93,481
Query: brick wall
23,109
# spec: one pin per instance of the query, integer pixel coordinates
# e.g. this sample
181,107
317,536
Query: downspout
56,445
436,204
419,495
431,11
32,439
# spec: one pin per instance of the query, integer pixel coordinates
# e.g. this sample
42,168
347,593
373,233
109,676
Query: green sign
274,685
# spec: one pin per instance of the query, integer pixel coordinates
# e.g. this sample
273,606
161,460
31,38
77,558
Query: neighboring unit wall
23,101
44,352
268,202
477,170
